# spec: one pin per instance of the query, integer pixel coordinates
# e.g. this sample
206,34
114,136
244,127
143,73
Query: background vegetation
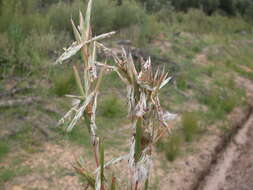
204,44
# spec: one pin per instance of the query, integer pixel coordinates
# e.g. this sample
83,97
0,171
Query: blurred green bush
170,146
111,107
63,82
190,125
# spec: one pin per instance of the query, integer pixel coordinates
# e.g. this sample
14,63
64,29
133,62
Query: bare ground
239,176
234,168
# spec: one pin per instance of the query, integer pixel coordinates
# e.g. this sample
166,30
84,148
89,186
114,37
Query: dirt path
234,167
239,177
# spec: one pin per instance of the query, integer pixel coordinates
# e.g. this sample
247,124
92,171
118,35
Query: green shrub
185,4
15,36
4,56
46,3
166,13
128,14
242,6
229,103
181,81
189,125
64,82
149,28
249,13
59,15
210,6
18,21
172,147
24,13
103,22
210,69
111,107
44,44
35,22
228,6
9,10
111,81
16,58
154,6
196,21
160,146
22,55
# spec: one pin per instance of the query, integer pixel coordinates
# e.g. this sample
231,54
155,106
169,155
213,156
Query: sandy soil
234,168
51,169
188,171
240,175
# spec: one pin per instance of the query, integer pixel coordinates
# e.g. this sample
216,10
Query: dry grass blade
166,81
78,81
86,24
80,112
75,47
72,50
76,33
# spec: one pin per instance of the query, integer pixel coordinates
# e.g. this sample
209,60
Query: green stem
138,135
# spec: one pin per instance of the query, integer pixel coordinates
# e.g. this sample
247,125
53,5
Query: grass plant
190,125
172,147
148,119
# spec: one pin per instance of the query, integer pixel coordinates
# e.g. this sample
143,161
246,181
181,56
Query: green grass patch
239,70
79,134
64,82
111,80
4,149
210,70
112,107
28,139
170,146
190,125
219,101
195,21
7,174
